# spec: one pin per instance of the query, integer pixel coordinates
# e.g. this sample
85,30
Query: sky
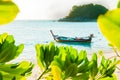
53,9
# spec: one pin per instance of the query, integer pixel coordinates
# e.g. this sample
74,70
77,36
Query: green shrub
8,52
67,63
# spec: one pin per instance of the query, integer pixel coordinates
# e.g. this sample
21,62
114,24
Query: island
83,13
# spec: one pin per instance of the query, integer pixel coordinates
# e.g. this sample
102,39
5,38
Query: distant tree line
88,12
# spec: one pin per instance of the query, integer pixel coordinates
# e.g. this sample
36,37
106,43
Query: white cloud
52,9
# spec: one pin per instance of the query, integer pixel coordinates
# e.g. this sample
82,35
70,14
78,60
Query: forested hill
88,12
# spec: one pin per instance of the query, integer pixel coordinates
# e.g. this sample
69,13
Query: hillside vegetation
88,12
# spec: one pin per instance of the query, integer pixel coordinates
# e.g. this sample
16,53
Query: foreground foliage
110,26
8,52
118,5
64,63
44,56
8,11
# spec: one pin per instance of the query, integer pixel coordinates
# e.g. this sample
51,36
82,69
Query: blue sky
53,9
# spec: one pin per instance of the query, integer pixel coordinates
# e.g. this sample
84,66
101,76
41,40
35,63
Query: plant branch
118,68
116,52
112,57
42,74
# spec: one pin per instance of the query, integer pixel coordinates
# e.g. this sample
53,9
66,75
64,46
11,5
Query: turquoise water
33,32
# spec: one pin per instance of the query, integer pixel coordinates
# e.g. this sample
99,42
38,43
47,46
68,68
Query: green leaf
71,70
3,37
73,54
40,56
110,26
100,53
108,78
8,49
94,69
118,5
1,78
57,61
56,72
8,11
107,68
83,67
67,61
52,51
83,76
16,71
19,50
45,54
81,56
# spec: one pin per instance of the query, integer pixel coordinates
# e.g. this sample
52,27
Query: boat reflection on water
85,44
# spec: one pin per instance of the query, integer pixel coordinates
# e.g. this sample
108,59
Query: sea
32,32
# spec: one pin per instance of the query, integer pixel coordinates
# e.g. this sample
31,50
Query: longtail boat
58,38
